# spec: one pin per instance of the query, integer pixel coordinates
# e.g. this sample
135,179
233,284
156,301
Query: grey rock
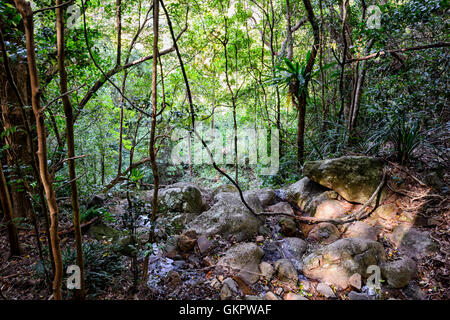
413,292
182,197
413,242
266,196
96,201
329,209
271,296
281,207
325,290
286,271
360,229
252,297
243,258
232,285
324,233
225,188
293,296
293,249
359,296
355,178
187,240
335,263
398,273
355,281
229,216
307,195
288,227
100,231
226,293
204,244
266,270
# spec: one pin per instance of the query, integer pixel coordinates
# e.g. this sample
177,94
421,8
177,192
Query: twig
52,8
61,96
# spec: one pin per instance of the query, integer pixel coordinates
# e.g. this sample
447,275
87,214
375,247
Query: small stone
286,271
252,297
355,281
231,284
203,244
173,280
187,240
259,239
215,283
288,227
225,292
271,296
208,261
293,296
264,231
266,270
325,290
305,285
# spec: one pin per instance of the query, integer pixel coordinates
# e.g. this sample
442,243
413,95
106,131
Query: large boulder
336,263
229,216
181,197
243,258
355,178
308,195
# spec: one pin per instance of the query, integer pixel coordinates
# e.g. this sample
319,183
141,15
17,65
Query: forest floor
21,278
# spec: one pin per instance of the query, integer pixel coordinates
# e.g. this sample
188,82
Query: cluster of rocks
318,259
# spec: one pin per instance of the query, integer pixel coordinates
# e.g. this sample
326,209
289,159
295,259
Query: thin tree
26,12
152,149
7,209
68,112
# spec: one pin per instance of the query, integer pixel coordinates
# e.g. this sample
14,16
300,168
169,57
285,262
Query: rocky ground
323,237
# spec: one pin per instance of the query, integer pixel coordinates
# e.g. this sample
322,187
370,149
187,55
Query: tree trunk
68,111
302,96
7,209
27,15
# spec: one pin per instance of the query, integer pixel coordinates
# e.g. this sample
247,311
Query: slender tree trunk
68,111
7,209
309,66
27,15
152,149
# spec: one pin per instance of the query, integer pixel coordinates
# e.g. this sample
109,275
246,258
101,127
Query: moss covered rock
355,178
